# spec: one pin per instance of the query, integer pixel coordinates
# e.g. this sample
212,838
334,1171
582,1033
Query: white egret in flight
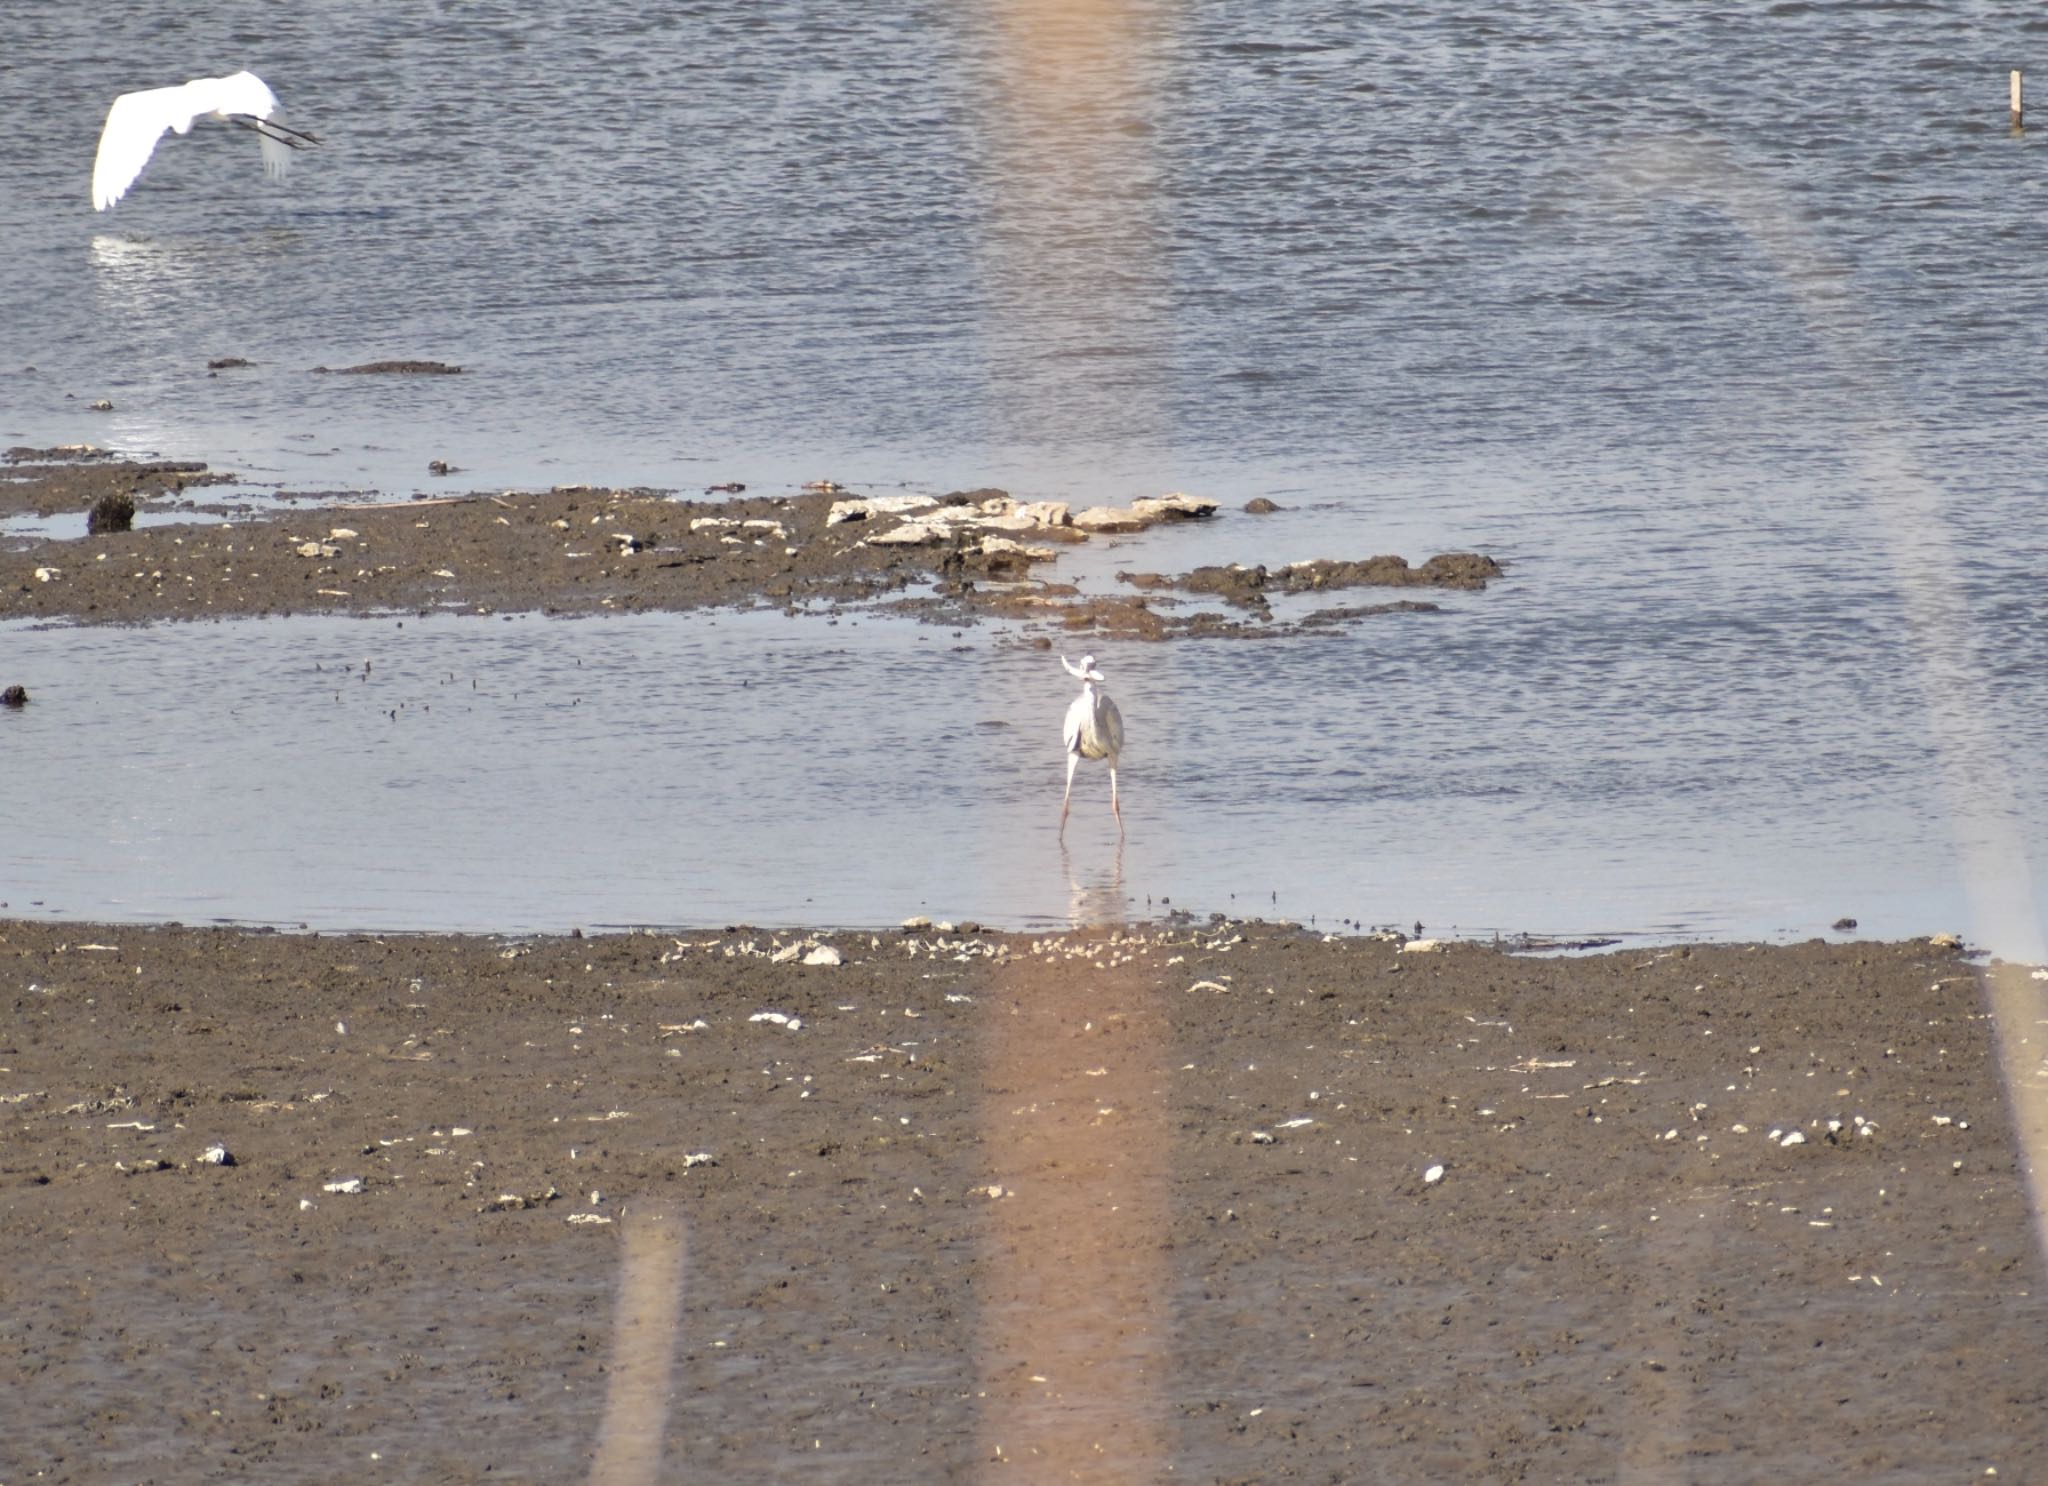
1093,729
138,120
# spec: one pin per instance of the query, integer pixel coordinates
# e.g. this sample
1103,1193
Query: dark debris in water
395,368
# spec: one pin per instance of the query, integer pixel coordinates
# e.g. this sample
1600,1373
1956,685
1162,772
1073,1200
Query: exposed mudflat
584,550
1217,1202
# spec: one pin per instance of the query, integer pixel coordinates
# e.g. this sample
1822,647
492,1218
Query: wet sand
1215,1202
585,550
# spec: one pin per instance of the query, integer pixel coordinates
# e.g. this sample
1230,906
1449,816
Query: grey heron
1093,729
138,120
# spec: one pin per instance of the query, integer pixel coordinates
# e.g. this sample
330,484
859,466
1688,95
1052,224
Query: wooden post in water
2018,106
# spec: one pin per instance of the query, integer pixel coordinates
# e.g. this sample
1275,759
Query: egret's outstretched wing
134,124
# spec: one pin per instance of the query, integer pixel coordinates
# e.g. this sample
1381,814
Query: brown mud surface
1217,1203
583,550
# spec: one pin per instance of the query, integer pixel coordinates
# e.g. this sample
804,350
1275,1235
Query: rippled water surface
1717,325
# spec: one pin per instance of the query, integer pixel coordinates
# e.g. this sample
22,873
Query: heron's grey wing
1076,719
134,124
1112,727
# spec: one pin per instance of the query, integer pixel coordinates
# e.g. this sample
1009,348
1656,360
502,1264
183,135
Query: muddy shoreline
583,550
1210,1202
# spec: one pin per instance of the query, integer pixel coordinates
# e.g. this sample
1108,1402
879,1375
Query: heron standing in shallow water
138,120
1093,729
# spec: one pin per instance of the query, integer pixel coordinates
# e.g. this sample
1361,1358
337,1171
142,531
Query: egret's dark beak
298,139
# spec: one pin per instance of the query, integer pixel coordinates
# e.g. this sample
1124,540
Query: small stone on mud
101,406
513,1202
217,1155
114,512
1258,505
1844,925
14,696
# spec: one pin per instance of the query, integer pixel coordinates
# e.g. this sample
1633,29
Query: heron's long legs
1067,799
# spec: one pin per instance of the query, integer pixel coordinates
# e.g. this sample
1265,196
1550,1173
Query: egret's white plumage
138,120
1093,729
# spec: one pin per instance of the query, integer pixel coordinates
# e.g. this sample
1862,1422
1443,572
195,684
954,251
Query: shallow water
532,774
1711,325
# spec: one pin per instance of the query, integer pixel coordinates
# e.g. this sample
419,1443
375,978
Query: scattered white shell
824,954
44,575
1262,1137
217,1155
1794,1137
1433,1175
586,1218
1298,1122
348,1186
794,1024
1422,946
699,1158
